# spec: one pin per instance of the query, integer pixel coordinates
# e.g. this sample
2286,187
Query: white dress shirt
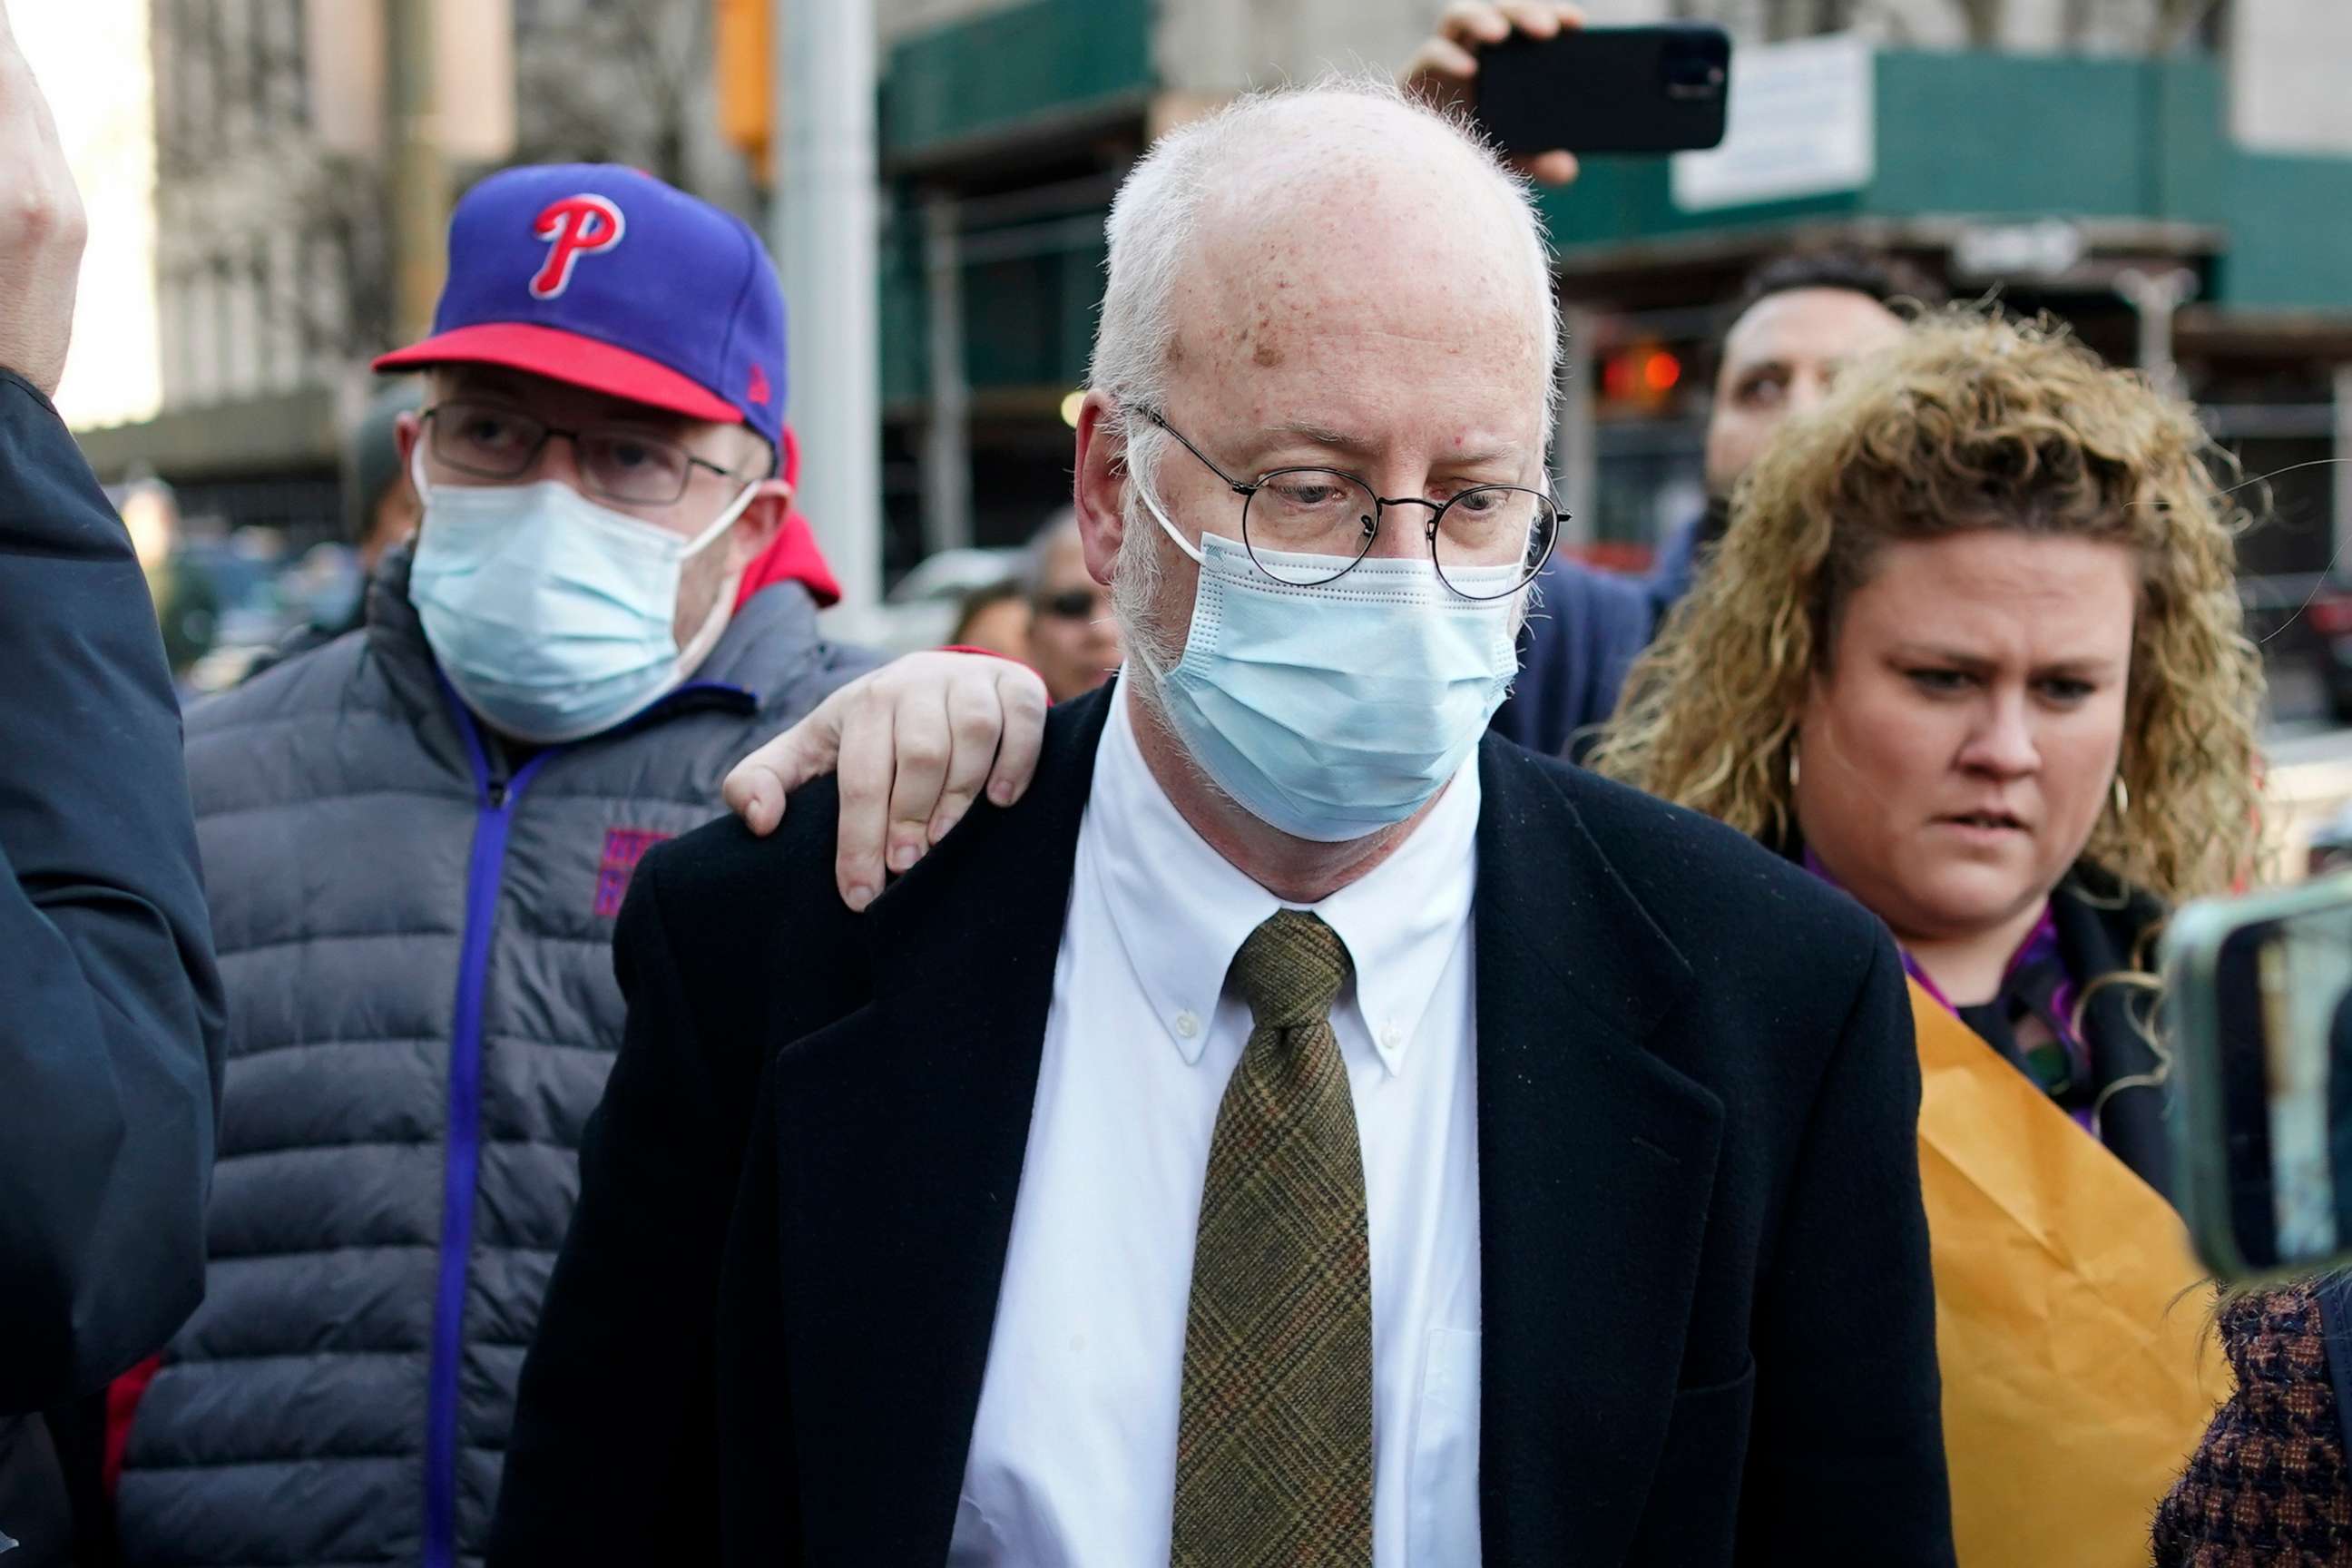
1073,1457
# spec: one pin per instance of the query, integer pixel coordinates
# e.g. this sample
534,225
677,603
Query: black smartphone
1608,90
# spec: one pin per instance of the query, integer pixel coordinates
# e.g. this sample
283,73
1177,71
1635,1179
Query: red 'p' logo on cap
584,225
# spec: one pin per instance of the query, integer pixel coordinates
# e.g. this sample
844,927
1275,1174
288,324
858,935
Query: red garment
793,557
122,1397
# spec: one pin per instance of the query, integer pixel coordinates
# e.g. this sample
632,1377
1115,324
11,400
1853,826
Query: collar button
1188,1024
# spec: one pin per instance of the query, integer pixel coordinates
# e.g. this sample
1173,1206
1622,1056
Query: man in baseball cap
640,334
418,838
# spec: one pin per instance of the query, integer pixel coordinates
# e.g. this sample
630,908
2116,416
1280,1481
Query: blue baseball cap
605,278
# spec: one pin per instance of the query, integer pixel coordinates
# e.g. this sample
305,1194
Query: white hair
1155,223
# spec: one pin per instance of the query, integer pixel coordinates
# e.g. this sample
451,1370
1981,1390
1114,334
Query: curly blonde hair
1972,421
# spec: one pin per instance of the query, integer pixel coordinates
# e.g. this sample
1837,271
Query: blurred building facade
2168,175
278,191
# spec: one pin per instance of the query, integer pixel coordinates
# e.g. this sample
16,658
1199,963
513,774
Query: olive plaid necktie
1274,1448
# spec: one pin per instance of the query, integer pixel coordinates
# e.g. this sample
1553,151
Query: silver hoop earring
1796,767
2121,794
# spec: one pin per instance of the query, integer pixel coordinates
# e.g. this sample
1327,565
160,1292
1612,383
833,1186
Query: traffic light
742,49
1644,376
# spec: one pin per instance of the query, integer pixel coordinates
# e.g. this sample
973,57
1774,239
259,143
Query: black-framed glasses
1488,541
490,441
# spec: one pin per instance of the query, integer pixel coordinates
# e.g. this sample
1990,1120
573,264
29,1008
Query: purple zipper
485,870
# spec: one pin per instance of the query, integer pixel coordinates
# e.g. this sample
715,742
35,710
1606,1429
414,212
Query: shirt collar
1182,911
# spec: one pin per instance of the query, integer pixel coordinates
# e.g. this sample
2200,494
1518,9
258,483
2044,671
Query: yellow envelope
2070,1319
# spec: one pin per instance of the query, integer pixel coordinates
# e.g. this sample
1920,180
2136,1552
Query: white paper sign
1801,122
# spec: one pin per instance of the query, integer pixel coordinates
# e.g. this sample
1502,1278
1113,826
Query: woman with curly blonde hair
1971,649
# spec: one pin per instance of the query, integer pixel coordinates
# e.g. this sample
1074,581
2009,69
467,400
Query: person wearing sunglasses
1072,639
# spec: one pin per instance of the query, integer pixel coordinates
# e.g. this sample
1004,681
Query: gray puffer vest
414,936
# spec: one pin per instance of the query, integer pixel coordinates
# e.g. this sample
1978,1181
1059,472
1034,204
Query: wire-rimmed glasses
1487,541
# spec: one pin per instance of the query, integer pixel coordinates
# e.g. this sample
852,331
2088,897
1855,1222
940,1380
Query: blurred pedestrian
1584,1250
380,503
111,1015
417,840
187,606
1800,318
1073,640
1971,649
995,619
380,512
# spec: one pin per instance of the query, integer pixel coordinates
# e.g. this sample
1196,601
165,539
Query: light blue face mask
1332,711
553,616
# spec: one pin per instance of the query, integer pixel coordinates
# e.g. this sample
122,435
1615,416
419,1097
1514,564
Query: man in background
379,511
1801,319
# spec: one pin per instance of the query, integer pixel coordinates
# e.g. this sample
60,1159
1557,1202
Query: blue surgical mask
1332,711
553,616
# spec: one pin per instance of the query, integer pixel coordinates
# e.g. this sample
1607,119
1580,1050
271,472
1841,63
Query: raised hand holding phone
1445,71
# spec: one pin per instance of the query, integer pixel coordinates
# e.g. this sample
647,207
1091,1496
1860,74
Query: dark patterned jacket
2267,1488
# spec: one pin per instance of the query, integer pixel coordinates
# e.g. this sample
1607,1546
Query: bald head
1246,237
1329,279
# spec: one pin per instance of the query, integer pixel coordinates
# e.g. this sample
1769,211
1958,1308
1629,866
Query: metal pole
420,175
825,221
2156,296
947,451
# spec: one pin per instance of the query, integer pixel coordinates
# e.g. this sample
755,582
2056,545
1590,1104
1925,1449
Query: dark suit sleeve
612,1457
111,1027
1583,635
761,1468
1846,1456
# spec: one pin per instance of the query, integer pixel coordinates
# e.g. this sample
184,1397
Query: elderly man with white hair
1293,1133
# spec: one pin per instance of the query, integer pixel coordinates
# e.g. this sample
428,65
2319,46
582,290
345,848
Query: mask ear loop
698,646
725,519
695,648
1143,494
